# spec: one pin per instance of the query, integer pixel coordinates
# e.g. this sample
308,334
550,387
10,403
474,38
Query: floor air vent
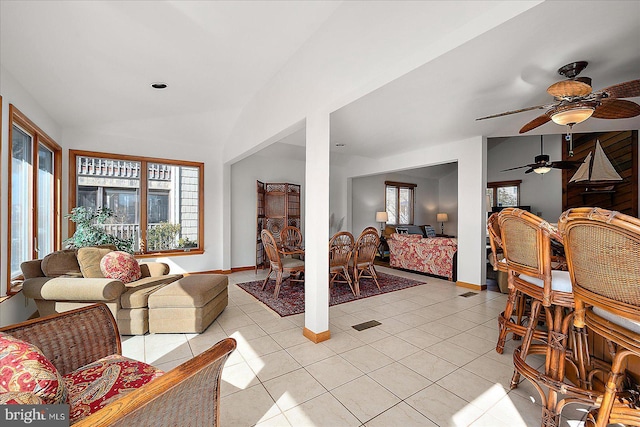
366,325
468,294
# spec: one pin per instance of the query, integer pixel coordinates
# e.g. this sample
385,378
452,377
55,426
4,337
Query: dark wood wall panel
621,148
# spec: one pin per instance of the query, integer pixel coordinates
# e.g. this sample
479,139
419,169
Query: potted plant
90,229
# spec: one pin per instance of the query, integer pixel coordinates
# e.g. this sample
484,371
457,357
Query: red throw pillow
23,368
121,266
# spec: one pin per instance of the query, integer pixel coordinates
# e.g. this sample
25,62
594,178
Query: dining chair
603,253
291,237
526,241
280,263
340,251
364,253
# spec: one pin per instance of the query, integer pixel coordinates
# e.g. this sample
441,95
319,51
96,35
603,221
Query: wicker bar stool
515,300
526,242
603,253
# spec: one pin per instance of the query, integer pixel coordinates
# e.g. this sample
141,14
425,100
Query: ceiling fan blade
623,90
518,167
565,164
569,88
506,113
616,109
538,121
529,170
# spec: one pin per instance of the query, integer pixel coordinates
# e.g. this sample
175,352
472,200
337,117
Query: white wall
16,308
368,198
472,179
448,202
542,192
243,200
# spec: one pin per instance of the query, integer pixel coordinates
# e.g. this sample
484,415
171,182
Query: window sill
170,253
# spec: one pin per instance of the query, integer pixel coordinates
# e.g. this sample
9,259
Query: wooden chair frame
340,250
187,395
603,252
526,241
364,253
279,264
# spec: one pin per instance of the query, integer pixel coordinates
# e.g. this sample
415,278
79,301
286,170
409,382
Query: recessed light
159,85
341,145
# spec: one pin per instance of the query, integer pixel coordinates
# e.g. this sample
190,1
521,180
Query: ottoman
188,305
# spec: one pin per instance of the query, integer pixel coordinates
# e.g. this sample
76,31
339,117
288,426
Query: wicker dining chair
340,251
515,298
280,263
291,237
364,253
603,253
526,241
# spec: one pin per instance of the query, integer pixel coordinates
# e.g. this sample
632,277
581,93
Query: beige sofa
57,283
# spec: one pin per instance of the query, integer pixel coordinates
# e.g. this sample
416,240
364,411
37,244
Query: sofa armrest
32,268
185,396
154,269
71,339
73,289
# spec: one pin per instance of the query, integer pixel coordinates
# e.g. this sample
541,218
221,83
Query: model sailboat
597,173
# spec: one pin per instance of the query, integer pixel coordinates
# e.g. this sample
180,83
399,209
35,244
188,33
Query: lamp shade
382,217
576,115
442,217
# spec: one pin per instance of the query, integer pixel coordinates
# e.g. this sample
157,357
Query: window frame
38,137
500,184
398,185
144,190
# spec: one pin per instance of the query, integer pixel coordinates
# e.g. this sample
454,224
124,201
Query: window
157,203
34,196
504,193
399,202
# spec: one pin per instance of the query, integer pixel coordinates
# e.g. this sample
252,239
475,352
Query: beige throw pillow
61,263
89,259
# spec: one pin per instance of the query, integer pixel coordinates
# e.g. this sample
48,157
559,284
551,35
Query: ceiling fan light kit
572,115
575,101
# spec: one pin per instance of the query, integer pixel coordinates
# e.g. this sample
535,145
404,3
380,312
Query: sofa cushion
137,293
20,398
97,384
61,263
23,368
89,260
120,265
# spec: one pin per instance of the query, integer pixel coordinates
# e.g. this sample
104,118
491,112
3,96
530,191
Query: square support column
316,286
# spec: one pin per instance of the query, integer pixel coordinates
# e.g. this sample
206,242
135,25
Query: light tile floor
431,362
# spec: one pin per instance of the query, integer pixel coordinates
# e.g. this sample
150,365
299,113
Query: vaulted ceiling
90,63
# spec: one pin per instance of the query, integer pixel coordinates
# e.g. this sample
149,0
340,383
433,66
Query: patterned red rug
291,298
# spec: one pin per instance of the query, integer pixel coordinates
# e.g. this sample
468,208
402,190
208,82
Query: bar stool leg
504,318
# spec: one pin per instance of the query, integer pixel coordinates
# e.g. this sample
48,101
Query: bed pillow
429,231
24,369
121,266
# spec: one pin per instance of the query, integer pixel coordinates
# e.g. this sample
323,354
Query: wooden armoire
278,205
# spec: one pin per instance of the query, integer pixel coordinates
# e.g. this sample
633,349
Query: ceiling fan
542,164
575,100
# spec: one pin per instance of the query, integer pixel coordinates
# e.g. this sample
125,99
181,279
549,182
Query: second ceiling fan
542,164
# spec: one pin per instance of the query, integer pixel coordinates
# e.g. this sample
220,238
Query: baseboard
316,337
471,286
233,270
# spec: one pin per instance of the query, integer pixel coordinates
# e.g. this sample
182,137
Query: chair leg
266,279
504,318
610,388
374,275
526,341
356,280
278,283
345,273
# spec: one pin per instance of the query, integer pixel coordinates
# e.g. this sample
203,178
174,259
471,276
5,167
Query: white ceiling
90,63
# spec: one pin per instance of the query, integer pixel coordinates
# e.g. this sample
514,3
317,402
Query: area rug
291,298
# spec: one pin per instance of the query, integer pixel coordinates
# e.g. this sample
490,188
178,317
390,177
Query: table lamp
382,217
442,218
